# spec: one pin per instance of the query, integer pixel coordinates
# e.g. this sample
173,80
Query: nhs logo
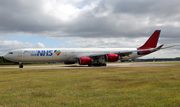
40,52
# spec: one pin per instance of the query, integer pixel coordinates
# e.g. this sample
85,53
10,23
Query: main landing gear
20,65
98,64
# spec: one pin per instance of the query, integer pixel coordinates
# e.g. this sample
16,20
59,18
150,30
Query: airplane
84,56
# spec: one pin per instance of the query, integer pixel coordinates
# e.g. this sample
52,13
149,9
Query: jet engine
111,57
85,61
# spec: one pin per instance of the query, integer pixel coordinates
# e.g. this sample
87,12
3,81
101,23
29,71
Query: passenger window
10,52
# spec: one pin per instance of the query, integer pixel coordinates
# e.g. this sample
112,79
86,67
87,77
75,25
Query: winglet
152,41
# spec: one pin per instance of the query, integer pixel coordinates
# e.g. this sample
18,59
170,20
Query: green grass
168,62
141,86
1,66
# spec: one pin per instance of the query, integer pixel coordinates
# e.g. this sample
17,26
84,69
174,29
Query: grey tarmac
109,65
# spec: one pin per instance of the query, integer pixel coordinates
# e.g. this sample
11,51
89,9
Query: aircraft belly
131,56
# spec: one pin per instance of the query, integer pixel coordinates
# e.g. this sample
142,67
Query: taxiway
114,65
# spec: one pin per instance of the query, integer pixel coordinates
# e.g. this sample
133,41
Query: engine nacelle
85,61
69,62
111,57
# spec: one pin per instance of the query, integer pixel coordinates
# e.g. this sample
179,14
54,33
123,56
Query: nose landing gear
20,65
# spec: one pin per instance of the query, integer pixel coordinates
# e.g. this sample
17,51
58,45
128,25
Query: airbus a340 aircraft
84,56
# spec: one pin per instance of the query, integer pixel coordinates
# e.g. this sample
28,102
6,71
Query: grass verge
141,86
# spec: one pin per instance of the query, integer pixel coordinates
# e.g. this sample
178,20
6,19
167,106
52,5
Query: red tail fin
152,41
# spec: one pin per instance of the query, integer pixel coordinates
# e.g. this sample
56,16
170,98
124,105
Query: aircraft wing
169,47
120,53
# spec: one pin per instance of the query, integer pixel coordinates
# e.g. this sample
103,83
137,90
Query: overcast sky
89,23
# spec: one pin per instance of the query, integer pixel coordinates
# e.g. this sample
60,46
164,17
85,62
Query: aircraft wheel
104,64
21,66
94,65
98,64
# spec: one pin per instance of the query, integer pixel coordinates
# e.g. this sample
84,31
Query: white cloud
61,12
8,45
66,10
119,43
94,23
104,42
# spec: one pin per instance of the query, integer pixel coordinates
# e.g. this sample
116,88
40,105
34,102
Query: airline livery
84,56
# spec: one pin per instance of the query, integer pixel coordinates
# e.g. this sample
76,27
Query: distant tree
1,61
4,61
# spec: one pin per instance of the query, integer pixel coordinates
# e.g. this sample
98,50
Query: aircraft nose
8,57
11,56
5,56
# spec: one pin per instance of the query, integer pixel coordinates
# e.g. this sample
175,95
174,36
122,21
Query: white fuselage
84,56
63,54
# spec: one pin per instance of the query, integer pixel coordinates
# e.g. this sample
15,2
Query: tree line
4,61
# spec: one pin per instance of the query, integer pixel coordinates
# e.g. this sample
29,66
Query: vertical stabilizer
152,41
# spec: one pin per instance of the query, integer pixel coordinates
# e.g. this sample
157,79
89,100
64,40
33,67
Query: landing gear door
19,53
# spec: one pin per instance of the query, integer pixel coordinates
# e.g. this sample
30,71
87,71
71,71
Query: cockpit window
10,52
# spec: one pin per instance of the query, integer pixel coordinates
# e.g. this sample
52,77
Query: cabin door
19,53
